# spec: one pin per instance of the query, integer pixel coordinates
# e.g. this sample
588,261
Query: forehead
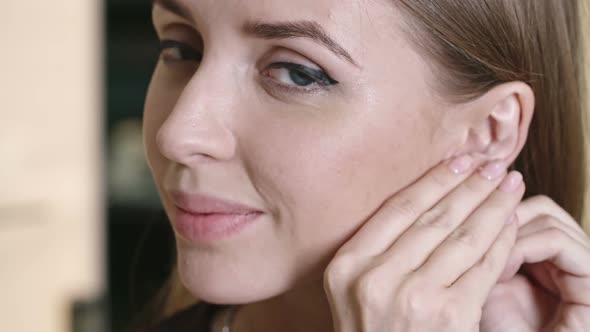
284,9
355,24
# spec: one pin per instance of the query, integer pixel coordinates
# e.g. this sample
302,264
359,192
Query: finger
570,259
403,208
544,222
535,206
479,280
467,244
432,227
555,246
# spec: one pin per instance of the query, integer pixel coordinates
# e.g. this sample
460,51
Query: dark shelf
141,252
140,243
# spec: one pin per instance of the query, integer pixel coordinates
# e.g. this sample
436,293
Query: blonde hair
476,45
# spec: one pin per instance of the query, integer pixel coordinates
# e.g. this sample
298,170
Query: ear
499,123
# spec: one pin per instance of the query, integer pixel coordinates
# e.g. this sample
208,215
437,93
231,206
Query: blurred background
140,243
84,242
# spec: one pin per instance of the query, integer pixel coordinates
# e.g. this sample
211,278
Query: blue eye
175,51
292,77
300,75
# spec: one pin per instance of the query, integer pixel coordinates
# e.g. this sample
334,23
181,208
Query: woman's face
316,132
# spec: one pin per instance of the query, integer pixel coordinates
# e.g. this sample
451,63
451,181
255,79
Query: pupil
178,53
300,79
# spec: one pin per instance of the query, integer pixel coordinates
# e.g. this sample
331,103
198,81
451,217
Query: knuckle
338,270
412,304
368,290
403,206
332,279
458,313
546,221
449,315
422,304
413,301
477,185
542,203
441,179
490,262
464,236
541,200
555,237
437,217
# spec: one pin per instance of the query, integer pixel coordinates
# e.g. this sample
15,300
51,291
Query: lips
201,218
204,204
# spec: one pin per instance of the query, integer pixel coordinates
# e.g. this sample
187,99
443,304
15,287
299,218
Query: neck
301,309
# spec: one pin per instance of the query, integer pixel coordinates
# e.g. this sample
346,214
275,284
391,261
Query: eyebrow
274,30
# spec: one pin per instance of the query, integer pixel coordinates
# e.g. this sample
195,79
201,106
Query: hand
428,258
553,291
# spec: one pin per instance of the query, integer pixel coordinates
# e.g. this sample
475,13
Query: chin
213,281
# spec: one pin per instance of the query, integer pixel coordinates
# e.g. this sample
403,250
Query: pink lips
201,218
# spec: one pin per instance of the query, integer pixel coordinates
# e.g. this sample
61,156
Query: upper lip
197,203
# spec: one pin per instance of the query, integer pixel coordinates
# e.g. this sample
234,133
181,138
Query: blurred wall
51,224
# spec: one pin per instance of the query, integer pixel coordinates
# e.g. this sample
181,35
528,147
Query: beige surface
51,229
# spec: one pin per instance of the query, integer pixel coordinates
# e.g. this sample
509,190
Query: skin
319,164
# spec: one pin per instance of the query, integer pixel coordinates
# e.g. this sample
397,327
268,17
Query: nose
198,127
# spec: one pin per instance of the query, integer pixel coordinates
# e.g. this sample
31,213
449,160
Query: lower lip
212,226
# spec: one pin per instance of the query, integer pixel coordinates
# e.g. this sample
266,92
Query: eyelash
320,79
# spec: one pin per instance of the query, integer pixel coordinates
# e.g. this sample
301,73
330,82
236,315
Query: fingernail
461,164
492,170
511,182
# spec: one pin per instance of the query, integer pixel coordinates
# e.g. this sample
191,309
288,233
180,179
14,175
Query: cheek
331,176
